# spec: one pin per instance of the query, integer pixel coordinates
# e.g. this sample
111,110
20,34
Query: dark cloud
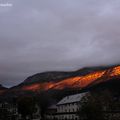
43,35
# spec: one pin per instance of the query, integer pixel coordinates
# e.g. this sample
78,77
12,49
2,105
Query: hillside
2,89
78,79
50,82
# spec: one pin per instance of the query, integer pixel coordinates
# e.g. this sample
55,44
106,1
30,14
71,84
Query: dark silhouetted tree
26,107
43,102
4,114
90,108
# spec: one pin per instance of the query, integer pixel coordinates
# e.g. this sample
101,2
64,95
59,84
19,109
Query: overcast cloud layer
44,35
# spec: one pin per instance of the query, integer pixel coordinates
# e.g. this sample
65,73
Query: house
67,107
9,111
51,112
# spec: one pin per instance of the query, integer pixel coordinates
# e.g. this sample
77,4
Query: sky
56,35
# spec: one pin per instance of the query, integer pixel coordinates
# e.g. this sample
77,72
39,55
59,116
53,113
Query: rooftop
71,98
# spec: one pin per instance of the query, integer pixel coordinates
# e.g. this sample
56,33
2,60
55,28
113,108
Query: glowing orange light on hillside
31,87
73,82
116,71
38,86
49,85
79,81
66,83
85,80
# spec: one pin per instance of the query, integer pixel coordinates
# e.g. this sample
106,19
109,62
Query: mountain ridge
2,89
59,81
82,71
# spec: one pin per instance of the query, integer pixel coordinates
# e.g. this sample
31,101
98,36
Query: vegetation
98,106
3,114
43,102
90,108
26,107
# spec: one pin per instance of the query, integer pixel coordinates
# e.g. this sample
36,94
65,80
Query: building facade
68,107
51,113
9,111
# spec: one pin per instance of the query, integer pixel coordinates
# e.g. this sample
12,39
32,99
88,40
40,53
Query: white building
51,113
67,108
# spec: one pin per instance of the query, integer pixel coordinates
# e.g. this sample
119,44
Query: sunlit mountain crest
76,81
115,71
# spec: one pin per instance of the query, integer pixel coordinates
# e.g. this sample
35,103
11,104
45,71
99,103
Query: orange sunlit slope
115,71
74,82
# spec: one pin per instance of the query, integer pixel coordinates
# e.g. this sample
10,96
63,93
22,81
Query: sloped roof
71,99
52,107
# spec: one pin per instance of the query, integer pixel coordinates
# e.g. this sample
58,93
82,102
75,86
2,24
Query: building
9,111
36,115
67,108
51,113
